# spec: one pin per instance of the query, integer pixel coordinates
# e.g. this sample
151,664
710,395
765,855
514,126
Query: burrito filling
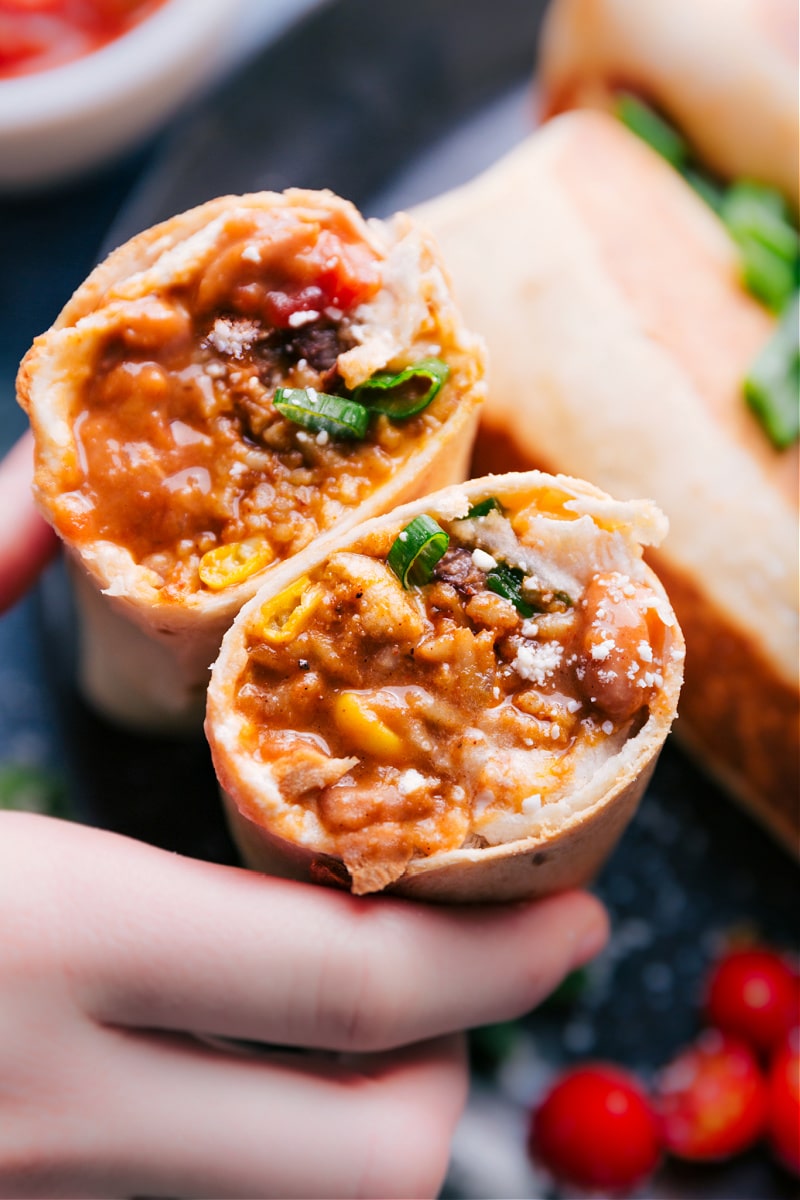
216,432
448,685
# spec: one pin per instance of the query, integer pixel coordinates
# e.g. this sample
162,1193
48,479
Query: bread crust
564,852
619,337
724,72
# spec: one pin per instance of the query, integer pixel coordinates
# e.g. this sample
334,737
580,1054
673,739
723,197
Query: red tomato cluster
597,1127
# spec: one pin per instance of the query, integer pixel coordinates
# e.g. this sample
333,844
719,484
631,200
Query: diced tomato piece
712,1099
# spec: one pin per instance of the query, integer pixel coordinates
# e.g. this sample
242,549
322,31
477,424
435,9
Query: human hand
114,953
27,542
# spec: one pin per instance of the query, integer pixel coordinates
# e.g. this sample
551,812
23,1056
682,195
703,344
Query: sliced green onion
752,211
406,393
766,275
416,550
706,188
321,413
642,120
757,219
506,581
490,504
745,195
772,387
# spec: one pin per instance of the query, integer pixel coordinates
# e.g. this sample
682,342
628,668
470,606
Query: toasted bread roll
461,701
723,71
619,339
222,390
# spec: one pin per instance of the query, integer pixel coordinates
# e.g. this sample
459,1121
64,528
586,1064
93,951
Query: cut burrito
460,701
620,337
723,71
225,388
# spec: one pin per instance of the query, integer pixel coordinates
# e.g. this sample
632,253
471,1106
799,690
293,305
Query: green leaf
483,507
507,582
772,386
642,120
405,393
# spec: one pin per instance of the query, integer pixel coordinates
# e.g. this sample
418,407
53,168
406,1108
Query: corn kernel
224,566
286,615
363,728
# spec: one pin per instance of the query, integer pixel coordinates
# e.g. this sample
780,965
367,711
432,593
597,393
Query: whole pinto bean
621,646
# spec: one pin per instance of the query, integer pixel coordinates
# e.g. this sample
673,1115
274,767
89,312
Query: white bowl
58,122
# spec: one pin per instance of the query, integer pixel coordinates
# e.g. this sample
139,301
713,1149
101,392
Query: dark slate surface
386,104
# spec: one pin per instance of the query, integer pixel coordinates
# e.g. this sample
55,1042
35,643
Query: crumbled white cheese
303,318
602,650
607,728
482,560
537,662
532,804
651,679
573,706
233,335
410,781
251,254
482,801
323,437
645,651
555,730
215,369
529,628
333,313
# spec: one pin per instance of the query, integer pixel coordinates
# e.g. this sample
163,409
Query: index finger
159,941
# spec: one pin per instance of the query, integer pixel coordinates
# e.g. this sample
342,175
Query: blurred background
388,104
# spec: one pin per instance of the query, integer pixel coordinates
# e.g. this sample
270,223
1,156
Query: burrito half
461,701
620,339
222,390
723,71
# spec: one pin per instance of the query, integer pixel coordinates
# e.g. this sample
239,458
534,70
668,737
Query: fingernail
589,943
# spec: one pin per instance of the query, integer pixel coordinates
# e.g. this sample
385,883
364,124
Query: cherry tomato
784,1102
712,1099
596,1129
755,995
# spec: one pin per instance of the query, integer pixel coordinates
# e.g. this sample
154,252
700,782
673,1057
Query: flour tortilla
724,71
144,658
567,842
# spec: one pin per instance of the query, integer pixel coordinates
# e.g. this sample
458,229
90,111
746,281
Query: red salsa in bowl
36,35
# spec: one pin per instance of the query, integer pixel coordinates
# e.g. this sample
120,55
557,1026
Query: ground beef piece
319,345
457,568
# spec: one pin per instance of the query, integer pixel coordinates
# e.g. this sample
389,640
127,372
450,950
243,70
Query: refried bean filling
180,447
412,720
